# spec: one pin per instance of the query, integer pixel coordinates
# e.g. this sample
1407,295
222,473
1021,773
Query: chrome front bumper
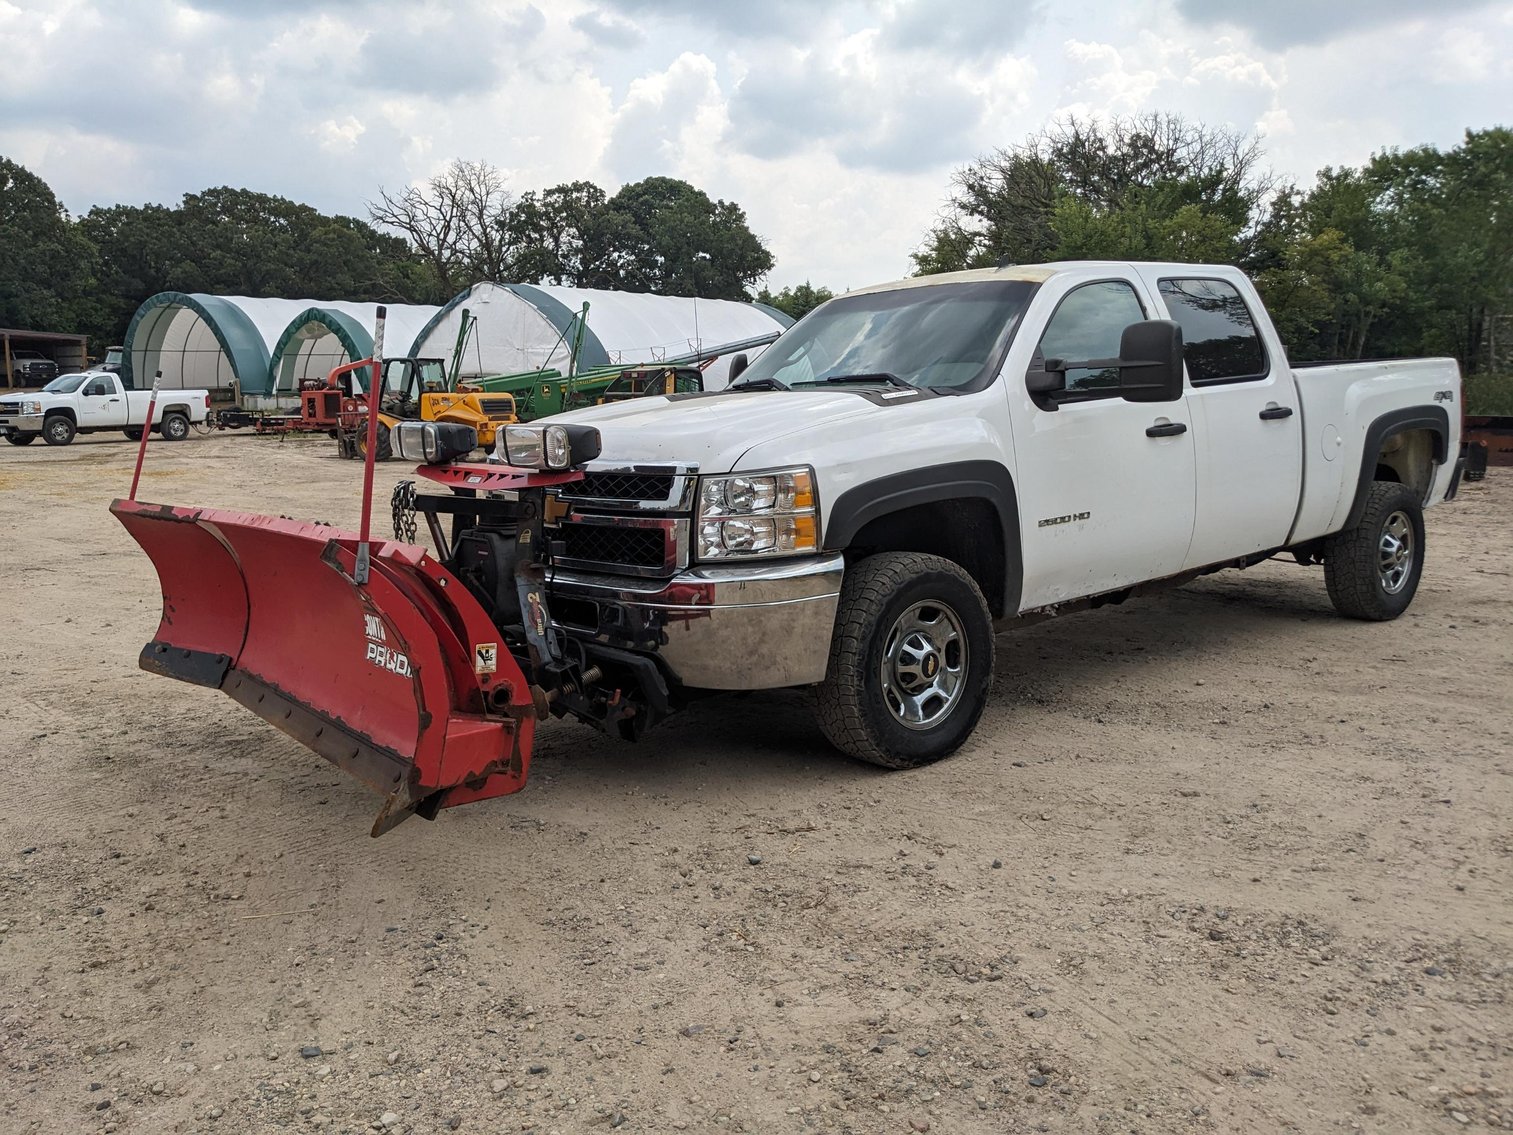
21,423
754,627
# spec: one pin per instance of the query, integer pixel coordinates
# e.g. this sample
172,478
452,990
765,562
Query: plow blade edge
402,681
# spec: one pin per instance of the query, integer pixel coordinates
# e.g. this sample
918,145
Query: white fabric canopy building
524,327
259,346
263,348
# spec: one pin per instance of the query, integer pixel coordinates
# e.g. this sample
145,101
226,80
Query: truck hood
714,430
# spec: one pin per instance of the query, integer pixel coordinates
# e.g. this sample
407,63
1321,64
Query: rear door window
1219,333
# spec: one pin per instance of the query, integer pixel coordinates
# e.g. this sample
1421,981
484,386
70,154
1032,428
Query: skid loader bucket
402,681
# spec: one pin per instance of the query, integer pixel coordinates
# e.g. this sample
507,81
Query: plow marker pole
152,404
375,391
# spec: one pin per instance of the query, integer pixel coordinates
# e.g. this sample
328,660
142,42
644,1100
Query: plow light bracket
433,443
551,447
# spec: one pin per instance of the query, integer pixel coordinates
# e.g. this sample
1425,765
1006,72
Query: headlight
746,515
31,407
433,443
548,447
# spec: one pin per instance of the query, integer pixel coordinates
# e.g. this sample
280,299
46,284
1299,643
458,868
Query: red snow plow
402,681
421,675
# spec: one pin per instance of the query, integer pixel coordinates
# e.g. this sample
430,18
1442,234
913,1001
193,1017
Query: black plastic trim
979,480
1432,418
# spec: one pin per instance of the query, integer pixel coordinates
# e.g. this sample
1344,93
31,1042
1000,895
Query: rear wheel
20,439
58,430
174,427
910,661
1373,569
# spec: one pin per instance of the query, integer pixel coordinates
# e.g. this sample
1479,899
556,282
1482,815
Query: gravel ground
1215,861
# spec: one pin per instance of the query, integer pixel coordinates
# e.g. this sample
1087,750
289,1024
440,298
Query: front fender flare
982,480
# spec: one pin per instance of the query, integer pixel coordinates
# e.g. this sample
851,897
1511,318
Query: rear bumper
755,627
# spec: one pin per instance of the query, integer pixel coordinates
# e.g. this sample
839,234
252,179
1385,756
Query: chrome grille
621,486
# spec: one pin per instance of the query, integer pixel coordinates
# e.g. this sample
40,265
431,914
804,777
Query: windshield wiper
758,384
875,376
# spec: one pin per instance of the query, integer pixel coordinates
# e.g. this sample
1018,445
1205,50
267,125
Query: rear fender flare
1435,419
957,480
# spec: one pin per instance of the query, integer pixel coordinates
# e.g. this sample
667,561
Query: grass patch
1489,394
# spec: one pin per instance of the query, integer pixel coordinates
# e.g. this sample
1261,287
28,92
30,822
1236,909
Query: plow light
433,443
548,447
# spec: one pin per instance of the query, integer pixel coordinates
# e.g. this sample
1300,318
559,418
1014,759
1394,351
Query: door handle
1272,413
1167,429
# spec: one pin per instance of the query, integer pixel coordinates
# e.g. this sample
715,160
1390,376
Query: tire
20,439
58,430
174,427
904,618
382,451
134,434
1373,569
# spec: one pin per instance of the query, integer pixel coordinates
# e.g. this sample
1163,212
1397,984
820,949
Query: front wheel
58,430
910,661
1372,570
20,439
174,427
383,450
135,433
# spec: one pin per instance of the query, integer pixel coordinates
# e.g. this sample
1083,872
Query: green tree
1153,186
1411,254
568,235
658,235
796,302
46,265
679,242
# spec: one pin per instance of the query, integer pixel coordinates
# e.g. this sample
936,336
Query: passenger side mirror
737,365
1150,361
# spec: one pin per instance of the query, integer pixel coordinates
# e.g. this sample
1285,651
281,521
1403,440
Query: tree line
1411,253
420,245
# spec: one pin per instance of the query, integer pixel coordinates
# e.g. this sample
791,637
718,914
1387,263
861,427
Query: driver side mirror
737,365
1150,361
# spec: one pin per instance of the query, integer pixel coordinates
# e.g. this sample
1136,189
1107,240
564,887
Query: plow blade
403,681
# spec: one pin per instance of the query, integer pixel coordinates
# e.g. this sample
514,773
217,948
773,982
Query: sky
836,124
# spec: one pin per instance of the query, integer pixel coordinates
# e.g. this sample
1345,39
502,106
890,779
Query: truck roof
1039,273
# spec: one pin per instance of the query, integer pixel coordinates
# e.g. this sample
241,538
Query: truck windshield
65,384
944,337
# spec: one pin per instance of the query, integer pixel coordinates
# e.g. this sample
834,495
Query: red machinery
325,406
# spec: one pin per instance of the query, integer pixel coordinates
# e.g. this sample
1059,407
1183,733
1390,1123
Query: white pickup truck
95,400
917,465
908,470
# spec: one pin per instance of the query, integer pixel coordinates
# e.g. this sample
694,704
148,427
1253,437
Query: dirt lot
1218,861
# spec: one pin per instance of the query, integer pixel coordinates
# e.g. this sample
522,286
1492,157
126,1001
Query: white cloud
835,124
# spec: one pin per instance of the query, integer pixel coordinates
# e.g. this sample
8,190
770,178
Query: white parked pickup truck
95,400
908,470
916,465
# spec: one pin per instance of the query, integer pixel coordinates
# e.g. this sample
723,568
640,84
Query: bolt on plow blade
403,681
